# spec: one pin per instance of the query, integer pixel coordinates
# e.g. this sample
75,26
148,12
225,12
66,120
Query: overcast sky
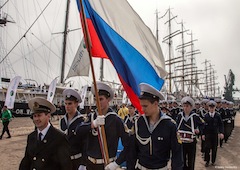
214,23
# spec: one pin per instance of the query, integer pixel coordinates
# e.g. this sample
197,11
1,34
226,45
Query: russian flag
118,33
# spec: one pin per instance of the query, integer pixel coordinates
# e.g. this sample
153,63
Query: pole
88,44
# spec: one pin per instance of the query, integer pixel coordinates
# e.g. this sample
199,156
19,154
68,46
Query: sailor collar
162,117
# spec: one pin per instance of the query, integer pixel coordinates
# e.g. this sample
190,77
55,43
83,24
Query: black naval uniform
174,112
212,127
129,122
226,119
189,124
52,152
77,142
114,130
152,148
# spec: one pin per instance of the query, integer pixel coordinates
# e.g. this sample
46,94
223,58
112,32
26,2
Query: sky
214,23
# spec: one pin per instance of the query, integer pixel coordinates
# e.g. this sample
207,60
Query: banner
11,92
81,64
83,96
51,90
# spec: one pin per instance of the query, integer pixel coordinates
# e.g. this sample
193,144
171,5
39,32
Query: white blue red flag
118,33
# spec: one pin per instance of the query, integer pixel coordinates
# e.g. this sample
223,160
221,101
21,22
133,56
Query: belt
139,166
100,161
79,155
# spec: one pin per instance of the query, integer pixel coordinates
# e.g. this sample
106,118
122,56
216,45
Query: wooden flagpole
88,44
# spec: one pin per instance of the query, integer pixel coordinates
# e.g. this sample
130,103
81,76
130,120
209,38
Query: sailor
227,119
114,130
232,113
68,125
175,110
213,128
219,104
130,118
47,148
189,125
203,112
155,135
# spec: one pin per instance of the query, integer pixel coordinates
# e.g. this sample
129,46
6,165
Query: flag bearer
213,128
114,130
155,135
189,126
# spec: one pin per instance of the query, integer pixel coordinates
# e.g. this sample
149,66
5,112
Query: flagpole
88,44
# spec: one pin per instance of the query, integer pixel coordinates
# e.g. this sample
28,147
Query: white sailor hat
204,101
71,94
197,102
103,89
188,100
224,101
39,105
217,100
148,91
211,103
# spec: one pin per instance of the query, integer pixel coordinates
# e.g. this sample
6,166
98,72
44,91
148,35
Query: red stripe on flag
131,95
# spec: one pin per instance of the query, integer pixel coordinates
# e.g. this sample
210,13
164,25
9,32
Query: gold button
34,158
34,169
43,160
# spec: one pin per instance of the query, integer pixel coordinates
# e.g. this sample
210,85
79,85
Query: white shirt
211,114
44,131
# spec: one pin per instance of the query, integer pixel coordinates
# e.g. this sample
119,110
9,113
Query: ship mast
64,42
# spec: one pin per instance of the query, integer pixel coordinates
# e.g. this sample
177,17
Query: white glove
100,120
112,166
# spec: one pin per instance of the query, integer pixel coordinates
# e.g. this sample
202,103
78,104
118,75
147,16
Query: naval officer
68,125
114,129
155,136
213,129
47,148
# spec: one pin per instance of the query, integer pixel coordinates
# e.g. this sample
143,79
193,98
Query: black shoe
0,137
207,164
213,163
9,137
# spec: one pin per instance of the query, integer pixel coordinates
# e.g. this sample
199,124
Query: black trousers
189,155
211,143
5,128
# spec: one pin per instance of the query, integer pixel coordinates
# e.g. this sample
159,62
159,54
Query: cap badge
35,105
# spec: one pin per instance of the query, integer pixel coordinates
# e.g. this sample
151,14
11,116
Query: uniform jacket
213,125
191,123
154,149
53,152
114,129
76,141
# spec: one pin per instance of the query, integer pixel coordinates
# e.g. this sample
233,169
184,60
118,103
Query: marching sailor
68,125
155,136
227,119
130,118
189,124
114,130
